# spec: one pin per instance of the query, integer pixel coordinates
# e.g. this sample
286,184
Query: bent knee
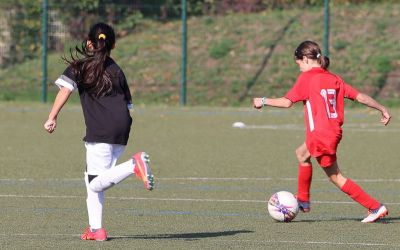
302,156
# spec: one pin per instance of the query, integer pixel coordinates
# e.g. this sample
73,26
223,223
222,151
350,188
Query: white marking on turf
167,199
194,237
209,179
348,127
264,179
313,242
30,234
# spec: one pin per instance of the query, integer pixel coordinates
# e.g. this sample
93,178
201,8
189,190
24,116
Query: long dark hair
90,69
311,50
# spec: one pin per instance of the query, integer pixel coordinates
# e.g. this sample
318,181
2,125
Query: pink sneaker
142,169
99,235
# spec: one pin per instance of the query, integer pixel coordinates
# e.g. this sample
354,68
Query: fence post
44,49
326,28
184,54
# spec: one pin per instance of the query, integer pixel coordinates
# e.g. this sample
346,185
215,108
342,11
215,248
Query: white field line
262,179
204,179
252,242
313,243
166,199
29,234
347,127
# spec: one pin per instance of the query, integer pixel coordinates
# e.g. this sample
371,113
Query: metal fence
231,54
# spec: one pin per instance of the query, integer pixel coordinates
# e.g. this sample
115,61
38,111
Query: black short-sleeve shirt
107,118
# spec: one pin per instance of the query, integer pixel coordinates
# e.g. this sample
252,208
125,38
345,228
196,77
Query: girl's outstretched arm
61,99
370,102
281,102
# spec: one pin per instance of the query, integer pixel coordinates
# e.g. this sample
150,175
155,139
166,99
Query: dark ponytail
311,50
90,70
324,61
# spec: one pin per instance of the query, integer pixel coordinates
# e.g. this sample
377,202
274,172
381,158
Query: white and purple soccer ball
283,206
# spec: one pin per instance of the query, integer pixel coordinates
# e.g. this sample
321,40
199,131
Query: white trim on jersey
66,82
310,117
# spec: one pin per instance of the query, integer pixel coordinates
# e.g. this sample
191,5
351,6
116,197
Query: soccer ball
238,125
283,206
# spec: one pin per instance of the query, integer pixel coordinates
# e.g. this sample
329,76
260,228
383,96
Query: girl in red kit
322,94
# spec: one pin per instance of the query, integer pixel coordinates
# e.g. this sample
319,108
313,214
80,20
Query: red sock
304,182
359,195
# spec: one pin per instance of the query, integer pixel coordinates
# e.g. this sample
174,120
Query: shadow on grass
266,58
183,236
386,220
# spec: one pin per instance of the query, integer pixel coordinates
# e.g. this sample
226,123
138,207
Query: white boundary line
208,179
301,128
314,242
362,127
167,199
30,234
264,179
213,240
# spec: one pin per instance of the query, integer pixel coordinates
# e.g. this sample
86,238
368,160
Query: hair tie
102,36
318,55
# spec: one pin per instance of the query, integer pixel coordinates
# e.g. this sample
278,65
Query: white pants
101,156
100,161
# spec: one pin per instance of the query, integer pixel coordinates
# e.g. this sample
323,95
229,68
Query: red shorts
323,147
326,160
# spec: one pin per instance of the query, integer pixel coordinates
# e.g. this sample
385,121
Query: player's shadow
183,236
390,220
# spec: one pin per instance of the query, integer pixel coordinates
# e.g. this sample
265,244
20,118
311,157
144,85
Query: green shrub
381,63
208,20
340,45
220,49
7,96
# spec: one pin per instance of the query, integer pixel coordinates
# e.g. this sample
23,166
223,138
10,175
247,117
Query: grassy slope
364,45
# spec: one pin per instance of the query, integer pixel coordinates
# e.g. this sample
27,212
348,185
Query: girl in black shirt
105,100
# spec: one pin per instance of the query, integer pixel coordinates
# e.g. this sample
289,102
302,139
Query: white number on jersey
329,96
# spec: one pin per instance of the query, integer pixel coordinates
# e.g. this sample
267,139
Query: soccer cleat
304,206
376,214
99,235
142,169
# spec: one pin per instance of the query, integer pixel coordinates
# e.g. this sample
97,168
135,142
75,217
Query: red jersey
323,96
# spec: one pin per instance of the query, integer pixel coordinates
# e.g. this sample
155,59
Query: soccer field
212,181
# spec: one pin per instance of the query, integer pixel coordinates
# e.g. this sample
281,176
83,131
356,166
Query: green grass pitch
212,181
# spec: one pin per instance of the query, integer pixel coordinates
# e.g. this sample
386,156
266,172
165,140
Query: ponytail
324,61
90,71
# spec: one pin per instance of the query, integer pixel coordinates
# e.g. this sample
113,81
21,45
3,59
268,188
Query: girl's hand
258,103
50,125
385,117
